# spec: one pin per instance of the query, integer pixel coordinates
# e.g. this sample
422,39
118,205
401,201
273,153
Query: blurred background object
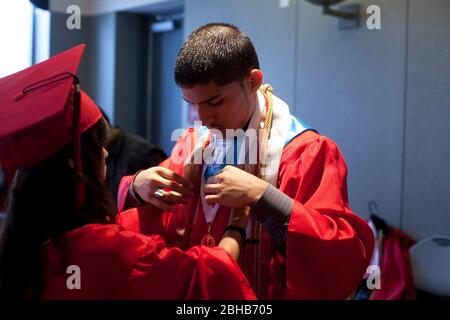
430,260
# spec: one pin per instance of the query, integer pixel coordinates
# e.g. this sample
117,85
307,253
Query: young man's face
222,107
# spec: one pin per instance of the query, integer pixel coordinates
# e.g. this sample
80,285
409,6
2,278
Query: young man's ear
255,79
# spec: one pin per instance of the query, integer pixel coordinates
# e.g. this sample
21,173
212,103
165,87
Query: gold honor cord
266,90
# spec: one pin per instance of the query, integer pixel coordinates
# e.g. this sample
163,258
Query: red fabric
39,124
397,281
118,264
328,246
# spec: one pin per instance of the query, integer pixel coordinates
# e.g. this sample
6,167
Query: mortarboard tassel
79,186
76,134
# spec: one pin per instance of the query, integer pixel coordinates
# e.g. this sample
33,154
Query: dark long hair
41,206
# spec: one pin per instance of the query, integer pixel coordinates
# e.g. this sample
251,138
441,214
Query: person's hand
147,182
234,188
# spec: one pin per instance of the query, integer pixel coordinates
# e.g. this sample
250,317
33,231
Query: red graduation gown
328,246
119,264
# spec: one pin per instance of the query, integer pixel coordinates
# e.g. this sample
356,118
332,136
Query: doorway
166,38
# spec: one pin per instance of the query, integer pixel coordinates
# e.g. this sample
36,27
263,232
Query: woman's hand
147,182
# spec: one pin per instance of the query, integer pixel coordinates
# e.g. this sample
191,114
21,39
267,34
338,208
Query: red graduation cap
42,109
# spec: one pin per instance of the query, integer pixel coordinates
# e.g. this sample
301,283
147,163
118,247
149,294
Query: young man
303,240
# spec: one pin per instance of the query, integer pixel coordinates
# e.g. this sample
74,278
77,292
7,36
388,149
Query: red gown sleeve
117,264
328,246
200,273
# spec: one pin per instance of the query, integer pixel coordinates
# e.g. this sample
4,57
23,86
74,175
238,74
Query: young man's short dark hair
217,52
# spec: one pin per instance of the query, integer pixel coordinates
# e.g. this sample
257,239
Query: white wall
95,7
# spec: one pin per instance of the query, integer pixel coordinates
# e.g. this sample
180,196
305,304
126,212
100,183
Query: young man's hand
234,188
